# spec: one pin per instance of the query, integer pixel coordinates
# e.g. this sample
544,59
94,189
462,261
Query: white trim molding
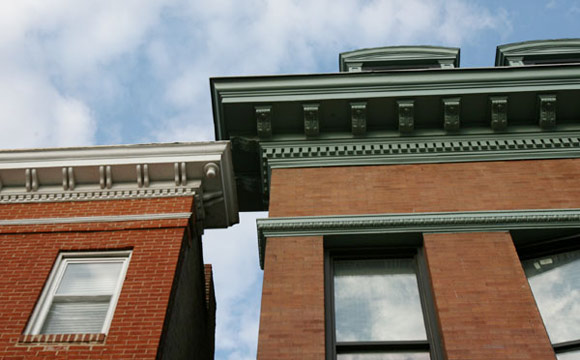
203,170
95,219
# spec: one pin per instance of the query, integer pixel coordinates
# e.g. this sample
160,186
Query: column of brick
485,306
292,316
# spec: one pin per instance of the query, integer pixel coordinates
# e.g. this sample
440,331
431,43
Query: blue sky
136,71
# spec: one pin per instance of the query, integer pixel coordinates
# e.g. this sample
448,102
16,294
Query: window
553,272
377,308
81,293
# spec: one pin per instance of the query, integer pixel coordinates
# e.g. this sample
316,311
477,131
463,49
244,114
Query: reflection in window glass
90,278
555,282
377,300
386,356
572,355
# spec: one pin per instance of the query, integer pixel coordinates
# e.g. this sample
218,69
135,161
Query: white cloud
34,114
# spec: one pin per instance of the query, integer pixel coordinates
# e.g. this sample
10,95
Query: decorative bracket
31,180
498,112
358,114
105,177
68,178
180,174
264,121
406,113
311,119
142,175
451,111
547,110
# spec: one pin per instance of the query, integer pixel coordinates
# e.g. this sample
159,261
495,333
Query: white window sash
48,295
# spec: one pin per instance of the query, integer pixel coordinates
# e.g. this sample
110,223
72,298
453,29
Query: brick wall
27,254
485,306
292,315
539,184
504,185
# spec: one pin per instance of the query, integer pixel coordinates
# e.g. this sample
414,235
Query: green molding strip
436,222
417,150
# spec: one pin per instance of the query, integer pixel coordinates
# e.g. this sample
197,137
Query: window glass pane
555,282
386,356
90,278
82,317
377,300
570,355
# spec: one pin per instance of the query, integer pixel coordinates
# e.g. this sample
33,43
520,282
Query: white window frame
41,309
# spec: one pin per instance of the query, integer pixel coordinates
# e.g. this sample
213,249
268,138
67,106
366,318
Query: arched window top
399,57
558,51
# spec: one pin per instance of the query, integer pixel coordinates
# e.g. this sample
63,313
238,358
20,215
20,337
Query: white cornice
125,172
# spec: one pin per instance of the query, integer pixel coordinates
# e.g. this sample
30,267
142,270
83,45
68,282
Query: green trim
517,53
393,56
436,222
390,84
357,152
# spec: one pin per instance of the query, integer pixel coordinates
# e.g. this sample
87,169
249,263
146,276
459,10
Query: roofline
399,53
391,83
536,48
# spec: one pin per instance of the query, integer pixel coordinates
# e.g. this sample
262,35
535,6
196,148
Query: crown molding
436,222
203,170
412,150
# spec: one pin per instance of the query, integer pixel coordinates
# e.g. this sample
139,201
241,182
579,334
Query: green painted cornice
440,222
427,149
537,52
387,117
395,83
398,56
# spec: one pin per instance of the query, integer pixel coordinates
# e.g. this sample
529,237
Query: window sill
62,339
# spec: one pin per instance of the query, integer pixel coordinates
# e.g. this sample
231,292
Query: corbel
264,121
70,178
311,119
406,114
547,110
451,111
498,106
109,182
180,173
358,114
142,175
31,180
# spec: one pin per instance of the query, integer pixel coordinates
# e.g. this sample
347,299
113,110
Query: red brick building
101,250
417,210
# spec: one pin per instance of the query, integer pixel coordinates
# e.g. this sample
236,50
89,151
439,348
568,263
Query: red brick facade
485,307
292,314
28,252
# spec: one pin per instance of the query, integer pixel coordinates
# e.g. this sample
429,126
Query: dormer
399,58
538,52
